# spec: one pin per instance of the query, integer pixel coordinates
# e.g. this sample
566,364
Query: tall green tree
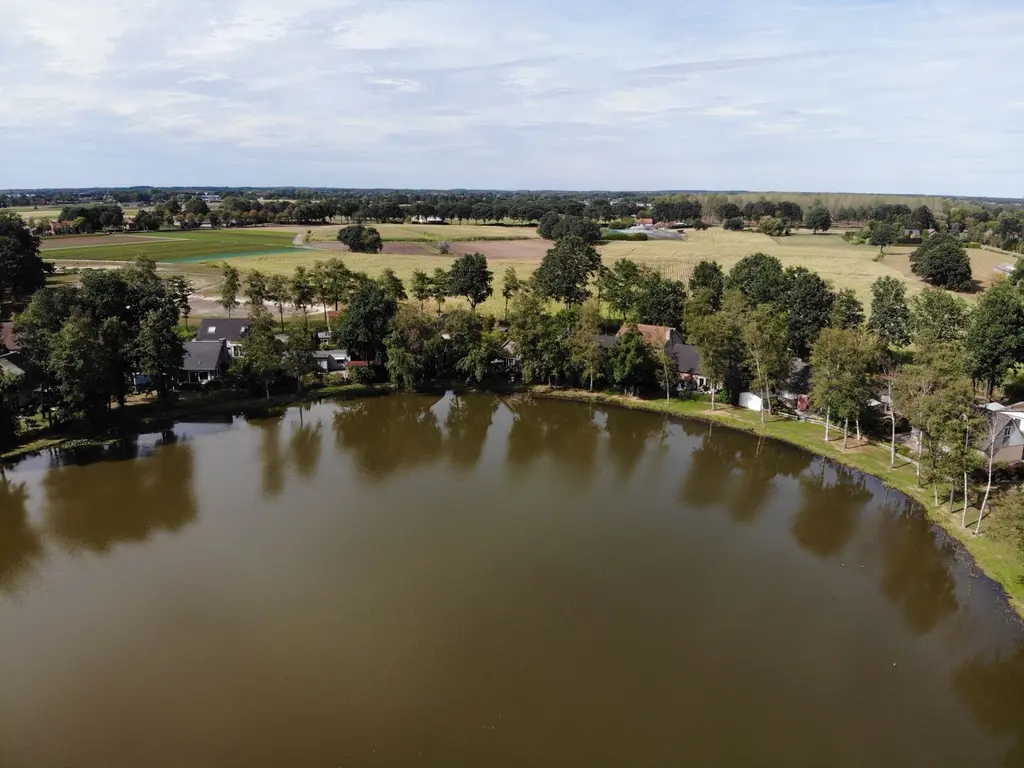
818,218
942,260
278,293
440,286
760,278
511,285
79,368
847,310
631,361
365,325
361,239
808,304
10,390
470,277
709,276
298,360
586,354
841,366
995,335
766,339
718,337
883,234
261,360
938,316
160,351
890,314
180,289
231,283
302,293
392,286
420,286
22,271
255,287
566,269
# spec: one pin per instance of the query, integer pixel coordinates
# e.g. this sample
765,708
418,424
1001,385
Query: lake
457,581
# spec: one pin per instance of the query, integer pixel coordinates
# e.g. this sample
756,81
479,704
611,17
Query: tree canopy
943,261
361,239
565,272
470,277
890,315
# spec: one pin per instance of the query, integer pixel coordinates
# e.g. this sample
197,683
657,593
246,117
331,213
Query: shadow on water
20,544
628,436
993,690
466,425
117,500
272,466
387,434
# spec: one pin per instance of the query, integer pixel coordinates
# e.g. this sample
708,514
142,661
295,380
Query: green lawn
201,245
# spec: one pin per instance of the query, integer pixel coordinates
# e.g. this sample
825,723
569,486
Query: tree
440,287
338,281
364,326
298,360
586,355
725,211
79,369
759,277
510,286
547,223
631,361
180,289
256,287
196,206
361,239
659,300
10,389
392,285
159,350
883,234
922,218
421,287
260,360
708,276
278,293
773,226
808,302
22,271
766,339
841,362
890,315
229,288
302,293
818,218
847,311
995,335
566,270
470,277
410,347
942,260
938,316
719,339
733,224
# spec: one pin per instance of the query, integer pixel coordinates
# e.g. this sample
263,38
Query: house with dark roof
1008,424
204,361
8,338
17,365
658,336
687,359
231,330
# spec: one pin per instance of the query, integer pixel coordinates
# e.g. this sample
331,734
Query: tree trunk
712,398
920,454
846,432
858,431
591,382
892,446
827,424
935,492
280,312
266,389
988,489
952,489
963,518
325,313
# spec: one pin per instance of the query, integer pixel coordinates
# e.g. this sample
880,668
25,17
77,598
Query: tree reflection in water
121,499
305,446
466,426
386,434
20,543
629,433
272,466
833,499
993,690
542,428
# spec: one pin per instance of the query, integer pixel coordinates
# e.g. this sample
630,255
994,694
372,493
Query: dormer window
212,329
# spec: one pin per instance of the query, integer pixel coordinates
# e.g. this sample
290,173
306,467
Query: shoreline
996,559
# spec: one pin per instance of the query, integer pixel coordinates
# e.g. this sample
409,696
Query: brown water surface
468,581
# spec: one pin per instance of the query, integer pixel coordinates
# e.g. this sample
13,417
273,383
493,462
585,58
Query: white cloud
732,110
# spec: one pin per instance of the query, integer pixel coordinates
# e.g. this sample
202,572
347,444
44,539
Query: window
1007,431
211,329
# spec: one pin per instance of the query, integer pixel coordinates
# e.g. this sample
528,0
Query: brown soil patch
86,241
526,250
405,249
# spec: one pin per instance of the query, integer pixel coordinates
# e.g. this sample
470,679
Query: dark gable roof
604,341
203,355
8,338
13,362
229,329
687,357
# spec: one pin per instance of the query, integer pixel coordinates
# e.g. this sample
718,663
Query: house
330,360
204,361
8,338
797,386
321,338
16,364
508,356
210,198
1009,425
658,336
231,331
644,222
687,359
604,341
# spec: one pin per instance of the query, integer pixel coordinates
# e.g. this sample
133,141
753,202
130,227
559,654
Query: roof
203,355
13,362
357,363
323,354
8,337
687,357
995,407
227,328
656,335
604,341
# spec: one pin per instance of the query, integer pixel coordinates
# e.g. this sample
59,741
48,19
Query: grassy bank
997,558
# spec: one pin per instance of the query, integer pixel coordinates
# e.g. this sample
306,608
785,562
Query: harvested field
92,241
423,233
415,249
511,250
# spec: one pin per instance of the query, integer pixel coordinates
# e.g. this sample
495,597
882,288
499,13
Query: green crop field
199,245
424,233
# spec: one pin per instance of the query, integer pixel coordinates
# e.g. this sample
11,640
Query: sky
894,96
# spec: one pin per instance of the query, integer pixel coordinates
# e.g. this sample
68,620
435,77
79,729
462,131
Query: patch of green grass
185,246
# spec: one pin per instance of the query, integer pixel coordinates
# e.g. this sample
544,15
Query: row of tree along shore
89,345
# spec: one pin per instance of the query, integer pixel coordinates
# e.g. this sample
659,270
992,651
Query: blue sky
813,95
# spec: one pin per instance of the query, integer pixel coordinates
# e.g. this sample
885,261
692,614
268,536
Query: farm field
423,233
54,212
197,245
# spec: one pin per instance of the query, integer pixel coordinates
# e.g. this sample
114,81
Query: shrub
444,248
636,236
362,374
622,223
735,224
361,239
